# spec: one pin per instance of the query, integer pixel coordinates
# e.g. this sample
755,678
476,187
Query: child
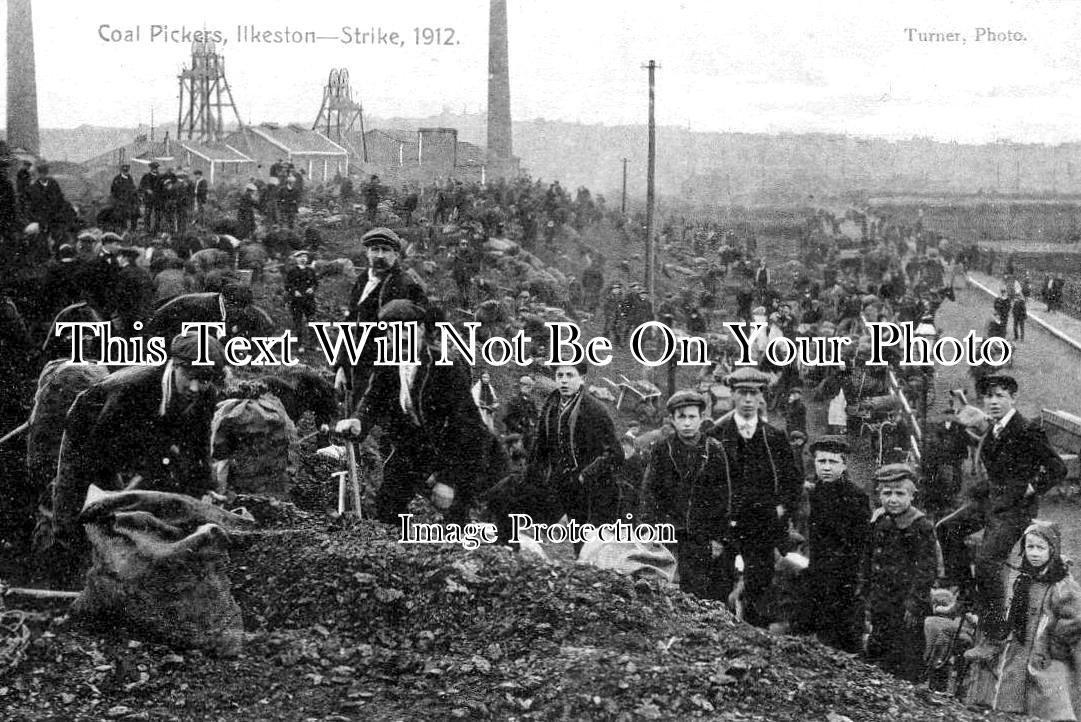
837,530
1037,667
687,484
898,572
300,285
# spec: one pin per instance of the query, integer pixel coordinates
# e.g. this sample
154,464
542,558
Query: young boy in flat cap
687,484
898,572
838,533
300,287
766,486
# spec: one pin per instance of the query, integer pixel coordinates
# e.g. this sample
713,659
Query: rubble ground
343,622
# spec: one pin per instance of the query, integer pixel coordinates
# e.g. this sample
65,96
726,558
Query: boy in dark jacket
687,485
898,572
838,534
300,285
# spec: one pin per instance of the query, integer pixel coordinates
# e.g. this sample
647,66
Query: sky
768,66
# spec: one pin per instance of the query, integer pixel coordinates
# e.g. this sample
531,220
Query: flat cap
832,443
893,473
155,164
382,237
1007,383
185,349
747,377
683,398
110,238
401,310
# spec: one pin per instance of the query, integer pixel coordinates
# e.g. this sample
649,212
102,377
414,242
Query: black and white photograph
540,360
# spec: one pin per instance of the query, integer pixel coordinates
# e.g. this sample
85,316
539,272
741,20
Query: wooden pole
651,260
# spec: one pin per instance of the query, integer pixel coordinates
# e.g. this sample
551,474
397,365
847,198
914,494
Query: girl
1038,669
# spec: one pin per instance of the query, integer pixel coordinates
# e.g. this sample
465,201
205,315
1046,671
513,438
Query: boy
300,285
898,572
687,485
838,533
575,452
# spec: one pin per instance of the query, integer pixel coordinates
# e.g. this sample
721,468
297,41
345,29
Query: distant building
217,161
422,155
318,156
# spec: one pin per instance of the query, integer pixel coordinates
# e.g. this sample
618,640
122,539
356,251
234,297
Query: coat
451,430
695,499
396,284
1042,675
786,485
594,452
1020,456
46,205
115,431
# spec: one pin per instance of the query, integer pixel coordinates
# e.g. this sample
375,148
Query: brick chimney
500,154
22,118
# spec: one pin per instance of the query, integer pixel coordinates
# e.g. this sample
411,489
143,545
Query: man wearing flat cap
687,484
766,486
145,427
125,199
150,188
133,292
837,527
1017,465
430,423
384,282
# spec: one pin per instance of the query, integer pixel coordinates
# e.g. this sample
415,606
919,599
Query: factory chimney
22,118
500,152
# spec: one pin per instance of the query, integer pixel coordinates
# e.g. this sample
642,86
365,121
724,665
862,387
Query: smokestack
500,154
22,119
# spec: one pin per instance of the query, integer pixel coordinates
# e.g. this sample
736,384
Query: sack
259,440
636,559
156,568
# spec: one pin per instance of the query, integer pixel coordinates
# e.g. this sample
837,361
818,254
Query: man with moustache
143,427
384,282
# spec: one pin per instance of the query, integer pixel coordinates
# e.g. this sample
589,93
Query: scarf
1051,573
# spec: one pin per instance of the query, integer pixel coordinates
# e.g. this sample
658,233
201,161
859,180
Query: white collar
1001,423
746,427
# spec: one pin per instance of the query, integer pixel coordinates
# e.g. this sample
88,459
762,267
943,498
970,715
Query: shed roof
295,139
213,151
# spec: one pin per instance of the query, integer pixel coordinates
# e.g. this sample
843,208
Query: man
201,191
431,424
145,427
838,527
766,486
385,281
46,205
289,202
613,304
300,285
133,293
125,199
687,484
99,283
576,452
9,215
23,178
1017,464
151,192
372,193
521,414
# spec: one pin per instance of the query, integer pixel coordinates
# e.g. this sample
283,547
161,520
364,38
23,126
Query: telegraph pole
623,205
650,250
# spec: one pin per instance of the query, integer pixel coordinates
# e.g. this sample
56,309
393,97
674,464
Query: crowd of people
732,465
